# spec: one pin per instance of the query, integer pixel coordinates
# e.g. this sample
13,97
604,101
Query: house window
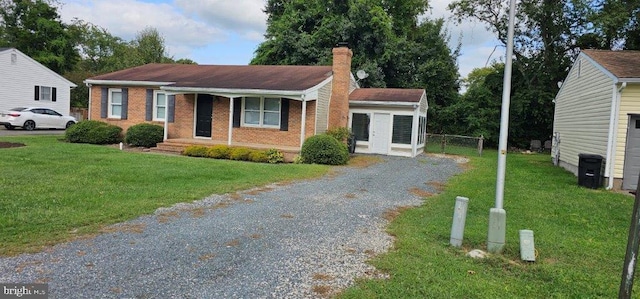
261,112
360,126
402,128
45,93
115,103
422,129
159,106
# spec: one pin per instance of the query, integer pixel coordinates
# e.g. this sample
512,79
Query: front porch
176,145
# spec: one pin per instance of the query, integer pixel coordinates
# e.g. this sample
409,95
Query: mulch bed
10,144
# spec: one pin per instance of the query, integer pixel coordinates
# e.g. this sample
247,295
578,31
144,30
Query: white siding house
595,110
25,83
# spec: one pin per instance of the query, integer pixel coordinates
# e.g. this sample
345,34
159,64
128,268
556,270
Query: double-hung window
115,103
261,112
159,106
45,93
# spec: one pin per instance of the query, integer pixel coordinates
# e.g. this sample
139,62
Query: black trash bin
590,170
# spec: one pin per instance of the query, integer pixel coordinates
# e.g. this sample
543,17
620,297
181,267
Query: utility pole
497,215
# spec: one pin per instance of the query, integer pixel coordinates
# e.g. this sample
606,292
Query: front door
632,154
204,112
380,136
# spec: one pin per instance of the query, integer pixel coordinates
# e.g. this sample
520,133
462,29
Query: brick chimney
339,103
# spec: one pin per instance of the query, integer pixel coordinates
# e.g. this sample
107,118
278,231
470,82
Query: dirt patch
363,161
390,214
439,186
125,228
420,192
11,144
322,276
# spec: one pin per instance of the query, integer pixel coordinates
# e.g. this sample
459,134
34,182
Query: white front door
380,136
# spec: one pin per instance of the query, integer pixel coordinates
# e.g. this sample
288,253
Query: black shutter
284,115
53,94
104,102
37,93
171,103
125,103
149,105
237,110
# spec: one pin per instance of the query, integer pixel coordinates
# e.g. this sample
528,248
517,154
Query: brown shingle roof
268,77
622,64
386,95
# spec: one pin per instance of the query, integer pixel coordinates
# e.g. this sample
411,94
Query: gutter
613,123
126,82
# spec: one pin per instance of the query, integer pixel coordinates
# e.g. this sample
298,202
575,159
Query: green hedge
94,132
324,149
234,153
146,135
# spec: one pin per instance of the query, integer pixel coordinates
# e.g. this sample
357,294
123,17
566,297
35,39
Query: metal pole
631,257
497,215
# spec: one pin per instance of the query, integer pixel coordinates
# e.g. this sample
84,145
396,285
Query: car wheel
69,124
9,127
29,125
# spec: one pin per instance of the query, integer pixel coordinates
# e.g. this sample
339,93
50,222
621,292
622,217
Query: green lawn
50,188
580,237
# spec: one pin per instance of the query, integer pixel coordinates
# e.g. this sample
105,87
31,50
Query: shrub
259,156
274,156
324,149
298,159
146,135
195,151
341,134
94,132
240,154
219,152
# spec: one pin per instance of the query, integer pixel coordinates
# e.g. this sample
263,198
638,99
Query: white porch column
230,121
166,119
415,131
303,122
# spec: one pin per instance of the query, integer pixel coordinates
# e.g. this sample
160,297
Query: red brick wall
220,124
339,103
184,119
275,136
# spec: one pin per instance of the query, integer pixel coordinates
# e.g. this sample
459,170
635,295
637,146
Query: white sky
229,31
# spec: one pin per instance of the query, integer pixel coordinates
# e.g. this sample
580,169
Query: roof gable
265,77
622,64
9,51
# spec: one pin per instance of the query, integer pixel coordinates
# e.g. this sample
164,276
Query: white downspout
230,121
89,112
303,125
613,132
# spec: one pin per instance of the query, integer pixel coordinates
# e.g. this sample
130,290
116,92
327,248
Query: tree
387,40
616,25
35,28
545,43
149,45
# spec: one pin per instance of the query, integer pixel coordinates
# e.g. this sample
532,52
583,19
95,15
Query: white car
35,118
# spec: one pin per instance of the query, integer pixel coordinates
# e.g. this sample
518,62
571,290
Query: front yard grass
52,191
580,238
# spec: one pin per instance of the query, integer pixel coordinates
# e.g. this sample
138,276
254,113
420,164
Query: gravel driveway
306,239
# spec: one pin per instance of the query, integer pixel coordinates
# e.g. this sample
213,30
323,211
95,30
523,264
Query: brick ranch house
261,106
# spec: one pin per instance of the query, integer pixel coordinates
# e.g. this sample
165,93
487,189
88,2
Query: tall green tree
546,42
616,25
34,27
387,38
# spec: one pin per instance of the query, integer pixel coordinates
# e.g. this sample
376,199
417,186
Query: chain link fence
454,144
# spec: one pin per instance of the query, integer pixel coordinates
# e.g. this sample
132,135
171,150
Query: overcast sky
229,31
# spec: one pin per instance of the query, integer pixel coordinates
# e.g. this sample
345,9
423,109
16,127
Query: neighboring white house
597,111
25,82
